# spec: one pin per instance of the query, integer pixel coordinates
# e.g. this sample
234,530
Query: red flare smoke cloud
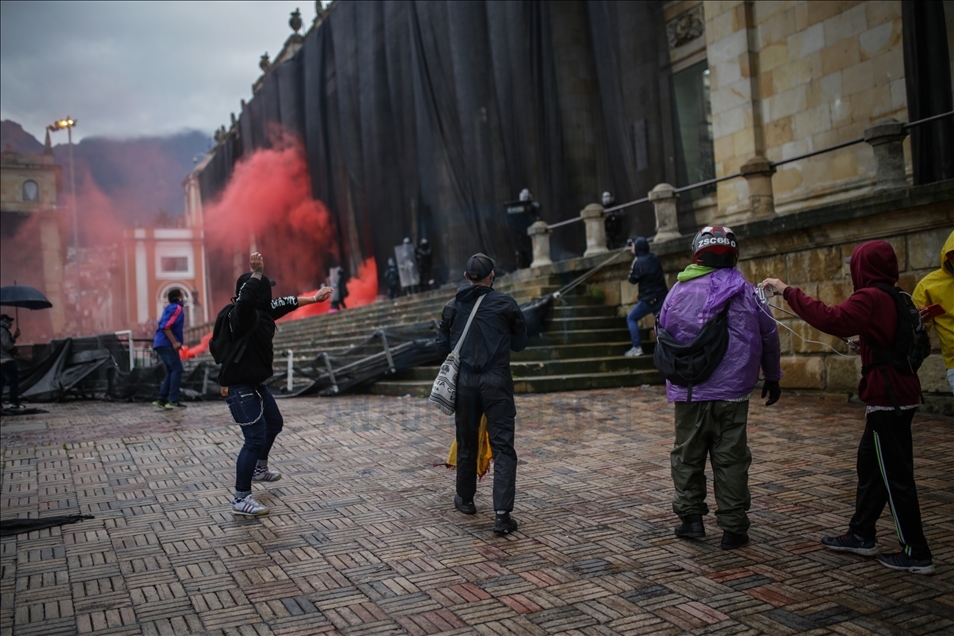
268,205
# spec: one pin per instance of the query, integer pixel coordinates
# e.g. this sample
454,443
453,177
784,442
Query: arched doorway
162,300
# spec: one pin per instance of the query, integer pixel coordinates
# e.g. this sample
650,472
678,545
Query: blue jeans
259,435
170,384
640,311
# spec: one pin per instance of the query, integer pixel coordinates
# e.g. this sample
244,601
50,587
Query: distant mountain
142,177
14,139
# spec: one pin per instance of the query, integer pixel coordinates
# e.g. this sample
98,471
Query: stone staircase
581,349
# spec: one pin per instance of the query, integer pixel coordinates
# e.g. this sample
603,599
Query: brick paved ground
363,537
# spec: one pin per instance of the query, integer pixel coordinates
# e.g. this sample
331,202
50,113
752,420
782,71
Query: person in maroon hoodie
885,455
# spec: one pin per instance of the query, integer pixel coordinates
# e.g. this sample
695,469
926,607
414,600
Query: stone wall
792,77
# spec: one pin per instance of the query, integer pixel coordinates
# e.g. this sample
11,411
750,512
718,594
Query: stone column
595,230
758,173
664,197
886,137
540,238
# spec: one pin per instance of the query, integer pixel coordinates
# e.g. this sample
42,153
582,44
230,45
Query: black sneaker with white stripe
851,542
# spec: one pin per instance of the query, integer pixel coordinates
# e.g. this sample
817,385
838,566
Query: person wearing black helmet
711,415
251,403
484,384
424,257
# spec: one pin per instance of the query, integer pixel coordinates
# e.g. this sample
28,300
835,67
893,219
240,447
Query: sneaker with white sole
634,352
248,507
160,403
901,561
264,474
851,542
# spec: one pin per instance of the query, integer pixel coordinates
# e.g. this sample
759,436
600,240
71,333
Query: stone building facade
787,79
158,260
30,242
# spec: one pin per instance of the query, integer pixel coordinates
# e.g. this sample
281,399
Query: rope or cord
781,324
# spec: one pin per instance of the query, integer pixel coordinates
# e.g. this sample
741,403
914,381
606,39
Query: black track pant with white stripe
886,476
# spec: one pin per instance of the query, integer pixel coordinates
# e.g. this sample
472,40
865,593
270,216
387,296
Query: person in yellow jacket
938,288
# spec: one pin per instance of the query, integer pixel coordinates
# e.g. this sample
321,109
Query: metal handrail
780,162
927,119
702,184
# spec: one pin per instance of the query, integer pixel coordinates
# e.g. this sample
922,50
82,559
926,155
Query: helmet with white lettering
715,246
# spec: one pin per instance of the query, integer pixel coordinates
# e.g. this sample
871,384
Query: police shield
407,265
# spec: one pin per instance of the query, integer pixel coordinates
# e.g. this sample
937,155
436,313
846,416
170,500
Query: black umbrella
23,296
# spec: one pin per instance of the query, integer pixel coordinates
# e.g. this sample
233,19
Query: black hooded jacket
648,272
498,328
255,297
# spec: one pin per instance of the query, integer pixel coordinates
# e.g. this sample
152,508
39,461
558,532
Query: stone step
574,351
364,327
540,384
580,336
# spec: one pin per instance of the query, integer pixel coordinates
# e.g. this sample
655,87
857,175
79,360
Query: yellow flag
484,453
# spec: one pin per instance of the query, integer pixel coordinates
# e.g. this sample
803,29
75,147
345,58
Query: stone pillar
664,197
886,137
758,173
540,238
595,230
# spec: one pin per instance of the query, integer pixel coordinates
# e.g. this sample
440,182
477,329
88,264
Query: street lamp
68,124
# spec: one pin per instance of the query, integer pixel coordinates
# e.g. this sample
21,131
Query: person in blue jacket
167,343
647,272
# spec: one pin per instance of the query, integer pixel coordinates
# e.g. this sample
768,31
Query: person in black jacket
250,401
393,279
647,272
424,256
484,385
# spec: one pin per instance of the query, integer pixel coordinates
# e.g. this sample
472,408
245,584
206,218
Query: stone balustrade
886,138
540,239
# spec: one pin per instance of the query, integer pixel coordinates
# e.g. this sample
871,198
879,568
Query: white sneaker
634,352
264,474
248,507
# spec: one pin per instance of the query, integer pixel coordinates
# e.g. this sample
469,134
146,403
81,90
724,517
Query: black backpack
910,346
689,364
225,346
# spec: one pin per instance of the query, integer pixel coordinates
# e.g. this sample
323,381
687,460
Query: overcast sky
132,69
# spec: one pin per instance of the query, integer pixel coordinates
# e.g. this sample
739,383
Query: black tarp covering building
421,119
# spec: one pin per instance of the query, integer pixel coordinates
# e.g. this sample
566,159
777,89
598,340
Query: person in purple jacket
713,424
167,342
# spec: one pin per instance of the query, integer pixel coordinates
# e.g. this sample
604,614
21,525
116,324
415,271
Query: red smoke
267,206
91,296
362,290
187,352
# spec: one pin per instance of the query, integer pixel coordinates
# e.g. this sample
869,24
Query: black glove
771,389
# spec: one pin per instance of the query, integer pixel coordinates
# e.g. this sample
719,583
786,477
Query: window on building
695,159
31,191
170,264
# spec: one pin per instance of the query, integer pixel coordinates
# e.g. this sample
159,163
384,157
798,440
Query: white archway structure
163,299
